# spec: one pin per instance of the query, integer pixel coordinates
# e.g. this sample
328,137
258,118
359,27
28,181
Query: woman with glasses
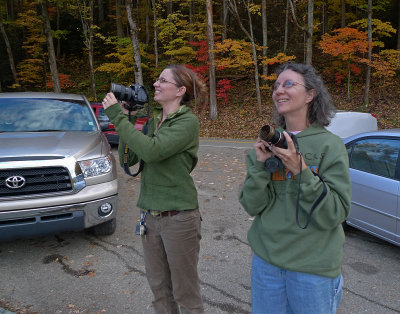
297,236
170,218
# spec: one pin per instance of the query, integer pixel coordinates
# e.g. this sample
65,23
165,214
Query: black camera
276,138
135,95
270,135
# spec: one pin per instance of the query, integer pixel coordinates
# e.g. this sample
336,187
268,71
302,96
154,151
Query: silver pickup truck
57,171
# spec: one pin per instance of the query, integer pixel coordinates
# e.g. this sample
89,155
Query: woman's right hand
124,105
262,150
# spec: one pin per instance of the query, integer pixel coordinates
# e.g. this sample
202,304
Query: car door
375,186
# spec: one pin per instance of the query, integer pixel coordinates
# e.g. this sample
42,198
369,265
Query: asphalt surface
80,273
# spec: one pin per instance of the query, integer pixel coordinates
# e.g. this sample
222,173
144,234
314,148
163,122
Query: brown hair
321,109
195,88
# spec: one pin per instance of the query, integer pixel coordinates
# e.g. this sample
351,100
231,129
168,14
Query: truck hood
51,145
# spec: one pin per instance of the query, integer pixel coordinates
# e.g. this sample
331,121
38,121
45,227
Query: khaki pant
171,252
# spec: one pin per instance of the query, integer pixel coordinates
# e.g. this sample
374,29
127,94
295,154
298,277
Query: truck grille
34,181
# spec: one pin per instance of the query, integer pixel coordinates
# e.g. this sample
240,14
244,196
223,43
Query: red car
108,127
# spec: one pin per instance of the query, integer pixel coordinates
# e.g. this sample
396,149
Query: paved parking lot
80,273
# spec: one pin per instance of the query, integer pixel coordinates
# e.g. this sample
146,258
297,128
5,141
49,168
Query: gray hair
321,109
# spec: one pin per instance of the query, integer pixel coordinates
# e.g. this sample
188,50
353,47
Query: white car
347,123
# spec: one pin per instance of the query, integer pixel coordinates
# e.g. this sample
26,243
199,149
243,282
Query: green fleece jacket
271,198
169,155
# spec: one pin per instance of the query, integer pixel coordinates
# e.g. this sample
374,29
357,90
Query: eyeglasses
162,80
286,84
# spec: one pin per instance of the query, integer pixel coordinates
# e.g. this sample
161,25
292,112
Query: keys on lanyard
141,225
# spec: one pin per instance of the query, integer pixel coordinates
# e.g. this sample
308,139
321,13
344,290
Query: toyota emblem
15,182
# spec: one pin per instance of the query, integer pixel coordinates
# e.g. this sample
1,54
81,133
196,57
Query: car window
376,155
102,115
43,114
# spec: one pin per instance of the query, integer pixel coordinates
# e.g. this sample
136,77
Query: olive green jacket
169,155
271,198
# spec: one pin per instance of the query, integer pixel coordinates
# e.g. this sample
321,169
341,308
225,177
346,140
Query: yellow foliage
279,58
255,9
233,54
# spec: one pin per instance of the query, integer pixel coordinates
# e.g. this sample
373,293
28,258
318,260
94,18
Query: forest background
80,46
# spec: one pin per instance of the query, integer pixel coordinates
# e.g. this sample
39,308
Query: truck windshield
45,115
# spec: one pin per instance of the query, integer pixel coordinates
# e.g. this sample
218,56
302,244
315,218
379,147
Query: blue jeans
275,290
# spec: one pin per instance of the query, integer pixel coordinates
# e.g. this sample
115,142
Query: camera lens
270,135
122,93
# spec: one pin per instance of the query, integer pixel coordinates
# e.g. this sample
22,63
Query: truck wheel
106,228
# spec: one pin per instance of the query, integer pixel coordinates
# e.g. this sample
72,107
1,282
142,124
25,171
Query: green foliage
379,29
121,61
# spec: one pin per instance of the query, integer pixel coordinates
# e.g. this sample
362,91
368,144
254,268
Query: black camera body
276,138
135,95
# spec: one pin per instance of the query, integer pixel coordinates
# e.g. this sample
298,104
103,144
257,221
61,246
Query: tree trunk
285,41
191,38
224,20
147,22
348,82
343,13
211,75
398,25
9,51
153,2
233,8
86,14
50,47
169,7
323,18
91,50
120,30
310,22
100,13
58,50
368,73
265,35
135,44
307,35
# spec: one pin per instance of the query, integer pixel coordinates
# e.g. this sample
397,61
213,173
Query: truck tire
106,228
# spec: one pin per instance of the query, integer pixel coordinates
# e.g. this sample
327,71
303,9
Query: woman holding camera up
297,236
168,198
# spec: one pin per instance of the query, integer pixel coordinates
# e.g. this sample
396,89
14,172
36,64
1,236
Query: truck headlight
95,167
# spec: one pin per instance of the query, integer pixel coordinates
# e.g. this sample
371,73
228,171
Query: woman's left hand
109,100
290,158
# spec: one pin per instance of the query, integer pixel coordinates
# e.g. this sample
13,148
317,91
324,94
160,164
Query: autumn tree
308,29
31,70
211,75
398,25
368,72
85,9
9,51
135,44
264,34
345,44
376,29
50,46
233,7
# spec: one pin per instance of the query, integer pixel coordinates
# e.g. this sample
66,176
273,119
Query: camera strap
320,198
126,154
323,194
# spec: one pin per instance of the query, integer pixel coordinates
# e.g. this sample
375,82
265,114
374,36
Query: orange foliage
65,81
345,43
